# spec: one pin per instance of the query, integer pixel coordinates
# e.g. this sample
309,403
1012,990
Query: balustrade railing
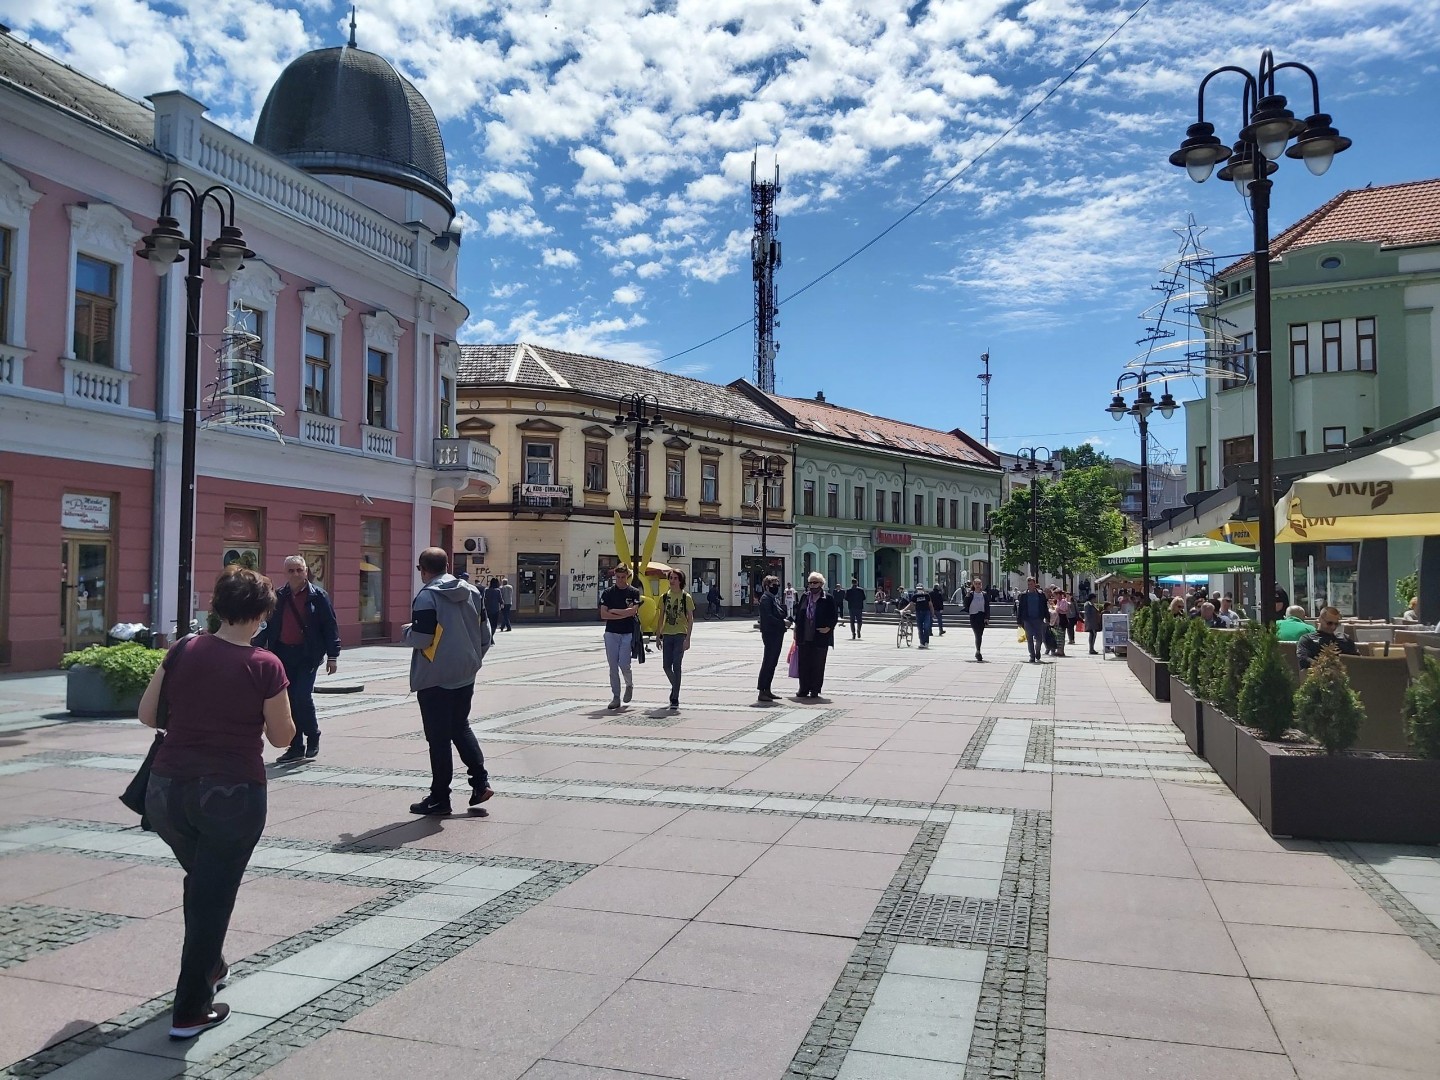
319,430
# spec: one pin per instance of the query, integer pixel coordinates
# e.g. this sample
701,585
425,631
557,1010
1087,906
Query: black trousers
212,826
446,717
857,619
301,692
977,624
812,667
773,641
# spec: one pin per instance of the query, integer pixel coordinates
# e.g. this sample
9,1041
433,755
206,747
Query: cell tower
984,378
765,257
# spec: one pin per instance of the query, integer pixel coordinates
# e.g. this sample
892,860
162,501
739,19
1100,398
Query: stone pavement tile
526,1010
338,826
859,1065
606,771
1238,836
1009,798
567,1070
274,993
1108,846
852,738
1190,802
138,892
935,962
809,777
38,1014
692,1032
634,819
1166,1006
666,893
691,854
1309,1068
899,758
688,776
353,1055
807,867
1075,888
140,957
1295,954
93,781
1288,905
289,799
1355,1024
779,905
573,939
850,836
279,907
70,804
1020,781
927,1018
571,845
108,1064
33,873
905,782
1271,868
464,833
811,750
1076,1055
1084,796
796,968
719,825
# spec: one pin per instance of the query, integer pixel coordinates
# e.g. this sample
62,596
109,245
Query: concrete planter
1185,714
88,694
1217,733
1153,674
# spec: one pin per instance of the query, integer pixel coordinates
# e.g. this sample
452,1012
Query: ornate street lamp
1267,132
163,247
763,475
639,411
1036,465
1144,405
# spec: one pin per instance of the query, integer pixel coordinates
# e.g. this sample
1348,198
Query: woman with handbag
206,792
815,620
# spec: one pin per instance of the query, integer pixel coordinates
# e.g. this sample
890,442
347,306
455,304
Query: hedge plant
127,667
1267,694
1327,708
1422,710
1165,636
1187,652
1238,653
1215,667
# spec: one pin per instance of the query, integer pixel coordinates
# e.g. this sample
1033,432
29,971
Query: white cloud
561,257
519,221
628,295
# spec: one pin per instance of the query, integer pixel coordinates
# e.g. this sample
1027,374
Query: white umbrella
1392,492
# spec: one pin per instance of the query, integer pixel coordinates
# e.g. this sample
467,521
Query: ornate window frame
323,309
382,333
104,232
17,198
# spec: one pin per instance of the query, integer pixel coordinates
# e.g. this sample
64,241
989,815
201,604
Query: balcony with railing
465,464
316,429
541,499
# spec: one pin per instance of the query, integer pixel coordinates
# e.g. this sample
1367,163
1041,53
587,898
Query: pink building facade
351,296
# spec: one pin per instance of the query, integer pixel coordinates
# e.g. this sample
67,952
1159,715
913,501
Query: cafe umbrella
1193,555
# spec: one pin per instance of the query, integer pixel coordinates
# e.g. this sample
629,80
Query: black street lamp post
1269,127
1034,467
163,248
639,411
1144,405
763,475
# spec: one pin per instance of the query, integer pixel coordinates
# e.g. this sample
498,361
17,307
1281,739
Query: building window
7,271
775,489
808,564
1299,349
539,462
985,520
241,532
1330,345
252,321
807,498
832,570
919,509
749,492
1202,467
377,385
895,507
859,504
974,517
373,554
954,513
1365,343
95,303
939,512
832,500
447,407
595,467
642,460
1236,359
1301,443
317,372
879,505
1237,451
709,481
1334,438
4,567
674,476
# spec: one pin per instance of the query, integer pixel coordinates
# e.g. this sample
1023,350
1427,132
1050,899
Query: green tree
1325,705
1077,522
1084,456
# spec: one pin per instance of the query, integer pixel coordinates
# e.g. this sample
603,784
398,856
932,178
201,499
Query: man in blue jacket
450,636
302,632
1032,609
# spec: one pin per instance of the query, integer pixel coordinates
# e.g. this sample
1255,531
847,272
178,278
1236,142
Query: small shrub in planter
1267,696
127,667
1186,659
1140,628
1326,707
1239,651
1215,667
1422,711
1165,636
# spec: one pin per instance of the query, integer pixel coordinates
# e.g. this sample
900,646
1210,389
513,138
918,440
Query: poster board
1116,630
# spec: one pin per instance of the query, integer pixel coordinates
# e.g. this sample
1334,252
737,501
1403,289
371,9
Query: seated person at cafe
1293,626
1310,645
1412,613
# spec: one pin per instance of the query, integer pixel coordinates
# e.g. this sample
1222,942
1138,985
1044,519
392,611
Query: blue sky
600,155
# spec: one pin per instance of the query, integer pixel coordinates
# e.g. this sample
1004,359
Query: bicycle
905,631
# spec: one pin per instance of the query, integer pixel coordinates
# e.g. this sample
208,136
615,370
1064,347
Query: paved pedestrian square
939,869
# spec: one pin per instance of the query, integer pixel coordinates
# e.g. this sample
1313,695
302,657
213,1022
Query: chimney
820,395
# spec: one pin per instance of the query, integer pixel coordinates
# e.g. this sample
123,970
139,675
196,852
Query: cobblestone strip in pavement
1041,748
1410,918
970,756
28,930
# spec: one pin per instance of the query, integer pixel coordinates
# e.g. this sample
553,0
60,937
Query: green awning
1193,555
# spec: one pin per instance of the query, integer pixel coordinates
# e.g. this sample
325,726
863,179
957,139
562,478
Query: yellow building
566,466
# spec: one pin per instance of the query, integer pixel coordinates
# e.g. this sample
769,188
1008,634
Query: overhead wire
948,182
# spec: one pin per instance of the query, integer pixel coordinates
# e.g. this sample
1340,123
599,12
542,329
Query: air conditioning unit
665,547
677,549
476,544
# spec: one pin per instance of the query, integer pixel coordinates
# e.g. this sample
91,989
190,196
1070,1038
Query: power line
933,195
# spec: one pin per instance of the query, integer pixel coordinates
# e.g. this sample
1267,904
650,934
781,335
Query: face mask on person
774,588
815,586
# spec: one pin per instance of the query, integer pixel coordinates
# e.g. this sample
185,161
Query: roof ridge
48,57
872,416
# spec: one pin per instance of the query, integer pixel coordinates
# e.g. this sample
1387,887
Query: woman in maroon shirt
206,796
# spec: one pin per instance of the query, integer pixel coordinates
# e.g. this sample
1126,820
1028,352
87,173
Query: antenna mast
765,257
984,378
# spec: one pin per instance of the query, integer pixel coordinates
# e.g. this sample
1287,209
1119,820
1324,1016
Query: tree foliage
1326,707
1077,520
1267,695
1422,710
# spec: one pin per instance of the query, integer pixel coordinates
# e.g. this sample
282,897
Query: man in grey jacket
450,636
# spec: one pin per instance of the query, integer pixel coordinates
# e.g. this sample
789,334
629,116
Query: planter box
88,694
1185,714
1327,796
1153,674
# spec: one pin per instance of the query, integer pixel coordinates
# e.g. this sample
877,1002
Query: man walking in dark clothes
772,633
302,632
1033,612
855,601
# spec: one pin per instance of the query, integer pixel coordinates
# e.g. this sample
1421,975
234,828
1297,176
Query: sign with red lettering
889,538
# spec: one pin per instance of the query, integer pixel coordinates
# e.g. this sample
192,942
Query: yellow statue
650,586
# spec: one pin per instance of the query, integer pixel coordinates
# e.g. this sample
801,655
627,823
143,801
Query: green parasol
1193,555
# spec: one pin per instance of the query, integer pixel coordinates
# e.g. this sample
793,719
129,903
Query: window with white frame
7,276
252,295
317,397
1236,360
1365,343
775,489
322,384
1330,345
709,481
539,457
1299,349
16,199
96,283
377,388
447,406
102,257
674,476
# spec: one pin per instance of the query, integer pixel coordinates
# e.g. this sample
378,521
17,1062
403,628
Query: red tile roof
1396,215
836,421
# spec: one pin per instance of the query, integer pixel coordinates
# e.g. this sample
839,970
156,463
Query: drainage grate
961,920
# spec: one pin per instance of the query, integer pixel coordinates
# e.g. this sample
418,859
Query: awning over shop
1193,555
1392,492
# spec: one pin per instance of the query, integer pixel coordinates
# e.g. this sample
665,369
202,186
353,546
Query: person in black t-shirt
619,608
920,597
